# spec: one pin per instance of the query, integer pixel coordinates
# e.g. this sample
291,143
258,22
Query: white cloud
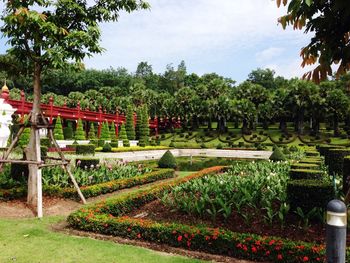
289,68
268,54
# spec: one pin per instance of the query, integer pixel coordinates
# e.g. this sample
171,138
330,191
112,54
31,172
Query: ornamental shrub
308,194
334,159
45,142
68,132
138,123
85,149
305,174
58,131
105,132
107,148
112,133
82,162
130,129
79,132
172,144
167,160
24,138
311,166
123,136
43,152
92,133
277,155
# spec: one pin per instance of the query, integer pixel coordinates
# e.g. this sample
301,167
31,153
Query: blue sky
229,37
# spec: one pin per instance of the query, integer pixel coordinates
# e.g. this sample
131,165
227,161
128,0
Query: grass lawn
31,240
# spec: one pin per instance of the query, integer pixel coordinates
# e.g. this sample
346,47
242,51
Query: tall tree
330,23
47,34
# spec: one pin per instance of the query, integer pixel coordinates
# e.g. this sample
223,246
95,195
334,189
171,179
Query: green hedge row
312,166
308,194
297,174
334,160
311,161
85,149
109,218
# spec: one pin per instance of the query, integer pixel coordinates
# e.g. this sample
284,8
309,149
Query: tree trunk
209,124
300,123
33,149
283,125
336,125
221,125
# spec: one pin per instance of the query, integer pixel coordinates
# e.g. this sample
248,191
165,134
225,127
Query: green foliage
139,119
105,135
123,136
167,160
19,172
197,163
45,142
308,194
43,152
92,133
107,148
112,133
312,166
346,174
79,132
68,132
24,138
130,129
334,159
85,149
58,131
305,174
277,155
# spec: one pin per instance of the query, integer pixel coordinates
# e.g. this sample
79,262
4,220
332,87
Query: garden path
157,154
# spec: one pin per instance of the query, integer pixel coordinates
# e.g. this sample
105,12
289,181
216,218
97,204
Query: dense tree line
261,99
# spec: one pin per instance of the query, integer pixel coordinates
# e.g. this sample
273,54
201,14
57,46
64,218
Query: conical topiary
92,134
105,132
130,129
138,123
79,132
123,137
58,131
112,134
277,155
167,161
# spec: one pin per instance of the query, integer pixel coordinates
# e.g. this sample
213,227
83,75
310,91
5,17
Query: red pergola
50,111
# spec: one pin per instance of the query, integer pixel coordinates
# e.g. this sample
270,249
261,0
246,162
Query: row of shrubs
93,190
109,218
308,188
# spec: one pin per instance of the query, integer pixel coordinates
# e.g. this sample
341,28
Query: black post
336,232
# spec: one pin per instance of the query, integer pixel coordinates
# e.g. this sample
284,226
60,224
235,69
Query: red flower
305,259
179,238
272,242
188,243
207,238
185,235
279,257
129,229
139,235
245,248
267,253
254,250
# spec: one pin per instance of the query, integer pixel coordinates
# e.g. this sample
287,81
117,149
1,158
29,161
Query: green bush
311,166
45,142
167,161
58,131
88,162
305,174
85,149
114,144
334,160
323,148
43,152
79,132
107,148
293,148
219,146
203,146
94,142
68,132
172,144
346,174
312,161
312,153
24,138
277,155
130,129
308,194
112,132
100,143
19,172
123,136
92,134
105,132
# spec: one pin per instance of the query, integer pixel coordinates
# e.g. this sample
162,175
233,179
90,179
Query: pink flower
179,238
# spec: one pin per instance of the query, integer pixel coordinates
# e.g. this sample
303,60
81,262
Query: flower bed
92,190
109,217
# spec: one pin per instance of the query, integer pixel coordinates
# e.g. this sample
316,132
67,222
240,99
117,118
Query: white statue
6,111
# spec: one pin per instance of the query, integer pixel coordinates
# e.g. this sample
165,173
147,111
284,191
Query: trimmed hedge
85,149
305,174
308,194
167,160
108,217
324,148
311,161
334,160
277,155
82,162
346,174
311,166
68,132
312,153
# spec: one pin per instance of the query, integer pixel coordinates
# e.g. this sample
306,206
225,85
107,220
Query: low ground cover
117,216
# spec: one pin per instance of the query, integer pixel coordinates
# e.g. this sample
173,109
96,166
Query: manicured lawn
31,240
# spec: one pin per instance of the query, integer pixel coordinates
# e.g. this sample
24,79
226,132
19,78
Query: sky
228,37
